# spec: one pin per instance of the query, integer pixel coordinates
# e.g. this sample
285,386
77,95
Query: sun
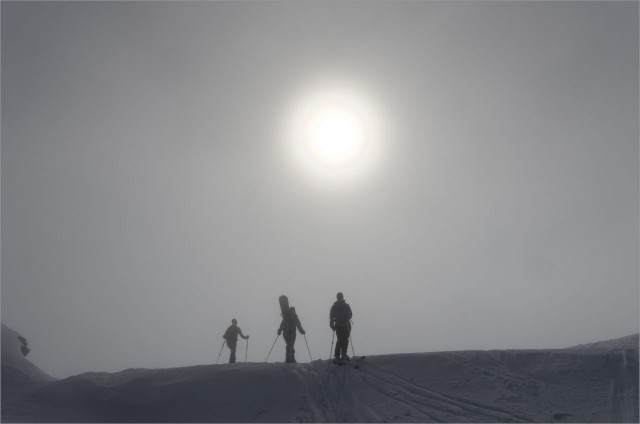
335,136
333,133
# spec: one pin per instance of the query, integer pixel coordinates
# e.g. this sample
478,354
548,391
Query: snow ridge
559,385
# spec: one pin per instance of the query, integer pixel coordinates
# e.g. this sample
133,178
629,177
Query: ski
353,361
357,359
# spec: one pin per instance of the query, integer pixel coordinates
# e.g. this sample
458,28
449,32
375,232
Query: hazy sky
150,193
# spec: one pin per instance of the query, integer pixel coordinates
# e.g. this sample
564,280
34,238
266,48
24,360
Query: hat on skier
340,296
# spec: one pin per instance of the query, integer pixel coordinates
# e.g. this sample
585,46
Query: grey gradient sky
147,198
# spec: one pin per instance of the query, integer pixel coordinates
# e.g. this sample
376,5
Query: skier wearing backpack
339,321
290,322
231,337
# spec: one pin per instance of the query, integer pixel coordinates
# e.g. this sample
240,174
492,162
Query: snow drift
589,383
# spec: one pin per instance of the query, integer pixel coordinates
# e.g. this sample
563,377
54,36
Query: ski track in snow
624,402
439,407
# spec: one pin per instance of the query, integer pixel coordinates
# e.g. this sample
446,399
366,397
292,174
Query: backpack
228,335
341,314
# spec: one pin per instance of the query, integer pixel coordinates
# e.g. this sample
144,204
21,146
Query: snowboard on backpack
284,305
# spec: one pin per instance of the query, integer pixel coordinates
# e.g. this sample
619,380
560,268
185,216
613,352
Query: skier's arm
242,335
349,314
300,329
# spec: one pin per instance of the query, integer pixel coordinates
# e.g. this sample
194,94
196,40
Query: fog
149,195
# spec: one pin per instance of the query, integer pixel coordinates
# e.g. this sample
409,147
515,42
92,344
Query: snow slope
588,385
16,369
629,342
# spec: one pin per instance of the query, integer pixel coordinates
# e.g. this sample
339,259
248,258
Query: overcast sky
149,194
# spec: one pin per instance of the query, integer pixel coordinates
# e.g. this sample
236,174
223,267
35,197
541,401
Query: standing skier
339,321
290,322
231,337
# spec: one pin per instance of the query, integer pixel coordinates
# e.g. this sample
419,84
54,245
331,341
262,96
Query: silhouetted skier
288,327
231,337
339,321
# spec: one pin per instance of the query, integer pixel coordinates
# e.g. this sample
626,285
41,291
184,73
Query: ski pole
274,343
353,353
223,342
333,337
246,351
305,340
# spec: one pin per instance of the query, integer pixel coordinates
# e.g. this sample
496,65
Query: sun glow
334,133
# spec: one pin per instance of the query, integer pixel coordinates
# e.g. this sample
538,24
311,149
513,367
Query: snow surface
588,383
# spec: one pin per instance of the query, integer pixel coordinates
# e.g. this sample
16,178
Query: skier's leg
292,351
232,357
343,341
345,351
338,342
289,349
289,353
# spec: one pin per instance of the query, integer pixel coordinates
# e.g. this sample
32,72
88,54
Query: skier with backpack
231,337
340,322
290,322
